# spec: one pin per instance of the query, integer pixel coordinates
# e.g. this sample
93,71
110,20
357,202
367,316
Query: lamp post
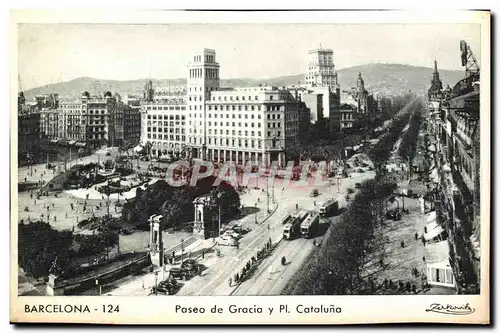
267,195
219,196
99,286
182,251
156,283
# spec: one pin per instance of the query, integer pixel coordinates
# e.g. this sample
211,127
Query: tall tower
436,84
149,91
203,78
321,69
361,92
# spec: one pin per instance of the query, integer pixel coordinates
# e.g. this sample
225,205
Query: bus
331,206
309,227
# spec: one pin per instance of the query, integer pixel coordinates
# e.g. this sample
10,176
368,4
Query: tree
38,246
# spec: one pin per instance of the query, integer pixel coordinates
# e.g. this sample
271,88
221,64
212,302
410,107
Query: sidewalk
389,260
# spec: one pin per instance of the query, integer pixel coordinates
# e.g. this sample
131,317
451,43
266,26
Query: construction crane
469,60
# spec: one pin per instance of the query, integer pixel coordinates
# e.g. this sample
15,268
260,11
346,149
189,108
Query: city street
214,281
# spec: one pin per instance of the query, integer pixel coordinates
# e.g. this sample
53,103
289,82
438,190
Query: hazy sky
51,53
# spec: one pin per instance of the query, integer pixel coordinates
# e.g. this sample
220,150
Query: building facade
454,141
131,124
221,124
28,134
163,125
49,124
321,69
92,120
321,78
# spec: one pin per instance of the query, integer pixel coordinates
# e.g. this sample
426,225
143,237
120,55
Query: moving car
314,193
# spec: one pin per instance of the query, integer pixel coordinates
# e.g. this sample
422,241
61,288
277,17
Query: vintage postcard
172,167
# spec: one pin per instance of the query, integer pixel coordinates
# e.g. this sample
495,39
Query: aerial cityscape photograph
248,159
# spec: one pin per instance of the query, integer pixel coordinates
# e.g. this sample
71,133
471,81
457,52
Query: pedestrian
423,258
425,229
203,253
423,240
55,219
230,281
268,227
296,206
25,179
402,244
142,284
416,236
414,288
53,204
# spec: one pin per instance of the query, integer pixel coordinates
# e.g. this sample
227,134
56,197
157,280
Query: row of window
172,130
165,123
245,107
233,132
171,117
166,137
166,108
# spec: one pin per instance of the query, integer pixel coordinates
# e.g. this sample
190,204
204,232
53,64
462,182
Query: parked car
168,287
191,266
232,234
226,240
180,273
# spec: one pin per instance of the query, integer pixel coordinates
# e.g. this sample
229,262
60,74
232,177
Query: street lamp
156,282
100,286
182,250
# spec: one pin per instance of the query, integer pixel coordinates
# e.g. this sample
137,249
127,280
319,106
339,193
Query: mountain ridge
383,78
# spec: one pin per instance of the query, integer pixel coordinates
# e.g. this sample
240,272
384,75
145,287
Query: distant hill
387,79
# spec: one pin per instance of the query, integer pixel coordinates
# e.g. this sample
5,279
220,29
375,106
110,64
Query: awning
72,142
430,235
437,253
138,148
431,216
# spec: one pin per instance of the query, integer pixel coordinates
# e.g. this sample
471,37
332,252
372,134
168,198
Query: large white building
219,124
321,69
321,78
